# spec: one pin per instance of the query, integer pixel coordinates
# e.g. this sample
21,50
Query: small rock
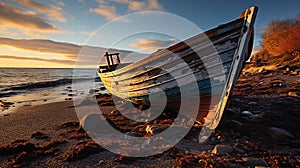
39,135
291,68
261,70
294,94
244,119
101,162
232,113
71,94
257,112
253,162
246,113
281,67
6,104
279,134
294,73
102,88
236,166
92,123
214,142
130,135
255,117
252,103
222,149
233,110
240,151
233,124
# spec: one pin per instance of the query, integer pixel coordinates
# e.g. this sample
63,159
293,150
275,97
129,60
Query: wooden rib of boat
198,73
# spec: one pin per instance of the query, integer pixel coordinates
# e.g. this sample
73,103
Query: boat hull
198,73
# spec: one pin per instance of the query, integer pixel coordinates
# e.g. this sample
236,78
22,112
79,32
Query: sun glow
11,57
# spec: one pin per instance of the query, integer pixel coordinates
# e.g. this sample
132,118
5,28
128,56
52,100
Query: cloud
6,32
87,33
150,44
27,22
59,61
134,5
154,5
52,12
89,55
109,12
60,3
48,46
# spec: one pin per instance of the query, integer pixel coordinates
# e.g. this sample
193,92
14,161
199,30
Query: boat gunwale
168,51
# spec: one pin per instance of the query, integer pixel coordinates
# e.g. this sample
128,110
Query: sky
52,33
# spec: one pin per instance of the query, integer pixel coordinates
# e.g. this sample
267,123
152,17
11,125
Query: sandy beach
258,129
49,136
149,84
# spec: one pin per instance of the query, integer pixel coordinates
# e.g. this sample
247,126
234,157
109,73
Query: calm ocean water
28,85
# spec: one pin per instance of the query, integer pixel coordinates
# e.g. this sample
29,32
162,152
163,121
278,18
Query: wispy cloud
52,12
134,5
109,11
87,33
27,22
151,44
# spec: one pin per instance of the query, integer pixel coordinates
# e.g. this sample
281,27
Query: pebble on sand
294,94
254,162
246,113
91,122
222,149
279,134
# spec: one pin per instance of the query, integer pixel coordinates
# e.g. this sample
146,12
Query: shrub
282,36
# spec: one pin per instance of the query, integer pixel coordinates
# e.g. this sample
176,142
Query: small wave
7,94
44,84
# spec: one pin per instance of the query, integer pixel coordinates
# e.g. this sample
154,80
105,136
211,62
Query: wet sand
260,128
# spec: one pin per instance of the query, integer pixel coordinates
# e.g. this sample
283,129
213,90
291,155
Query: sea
33,86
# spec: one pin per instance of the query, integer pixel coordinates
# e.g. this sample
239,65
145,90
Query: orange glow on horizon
13,63
29,54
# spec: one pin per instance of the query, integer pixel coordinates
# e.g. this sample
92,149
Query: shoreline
48,95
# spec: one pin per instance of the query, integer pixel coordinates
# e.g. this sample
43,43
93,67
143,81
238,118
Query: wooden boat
198,73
